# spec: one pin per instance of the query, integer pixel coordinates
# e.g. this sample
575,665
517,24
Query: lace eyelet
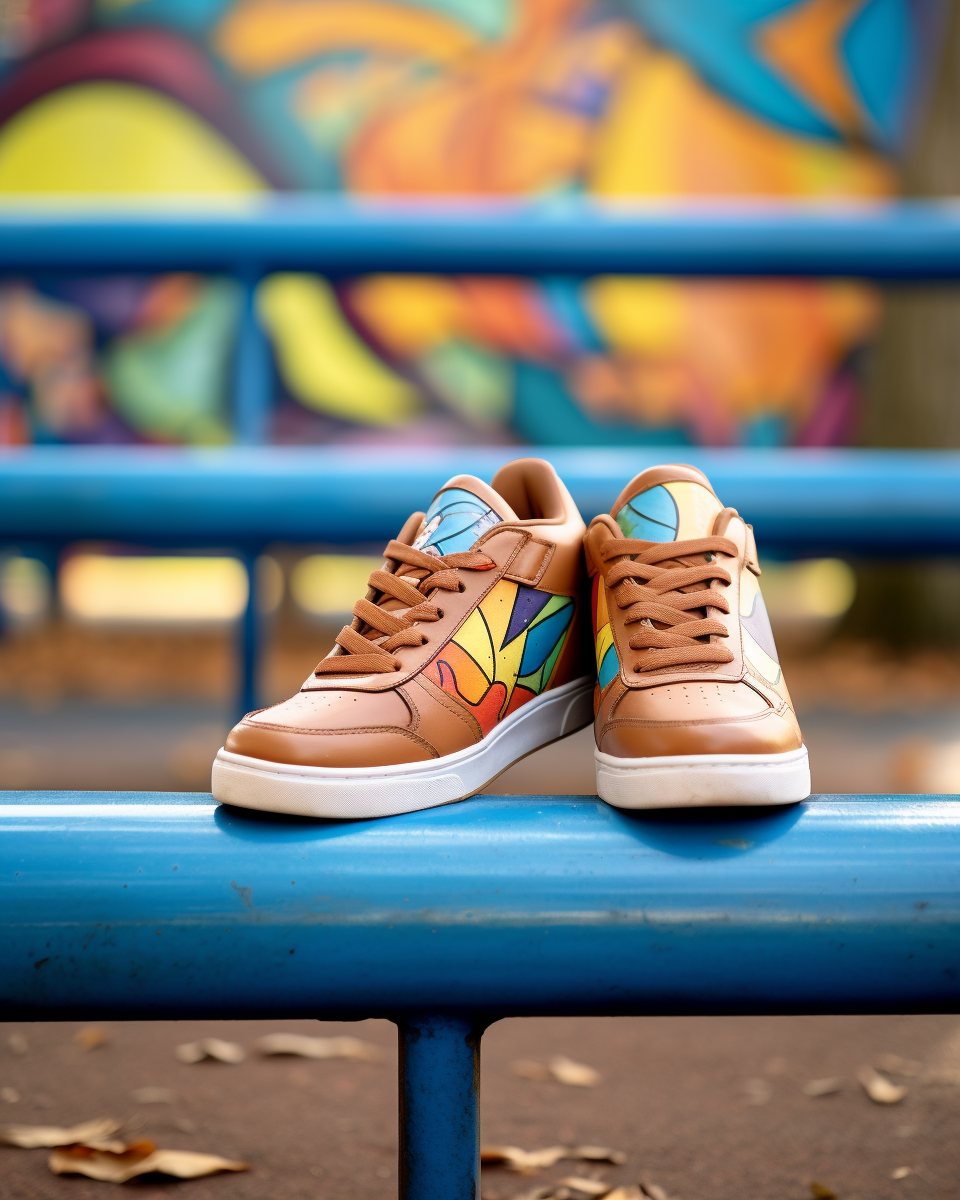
439,615
710,556
460,586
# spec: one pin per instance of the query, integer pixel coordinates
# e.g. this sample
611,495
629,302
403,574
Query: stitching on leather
640,723
379,729
414,711
533,580
450,704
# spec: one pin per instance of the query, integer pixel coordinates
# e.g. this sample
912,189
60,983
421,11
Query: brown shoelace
373,652
674,619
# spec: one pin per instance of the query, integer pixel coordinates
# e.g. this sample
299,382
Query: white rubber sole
703,780
358,792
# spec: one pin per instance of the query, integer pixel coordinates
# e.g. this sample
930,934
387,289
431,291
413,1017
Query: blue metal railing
134,906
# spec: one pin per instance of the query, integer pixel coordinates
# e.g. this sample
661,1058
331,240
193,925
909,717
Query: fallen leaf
140,1158
598,1154
153,1095
91,1038
225,1052
822,1087
32,1137
524,1161
526,1068
318,1047
758,1091
17,1043
589,1187
880,1089
901,1172
893,1064
9,1095
819,1192
573,1074
653,1191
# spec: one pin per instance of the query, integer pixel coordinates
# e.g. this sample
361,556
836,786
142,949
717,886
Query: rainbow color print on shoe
505,652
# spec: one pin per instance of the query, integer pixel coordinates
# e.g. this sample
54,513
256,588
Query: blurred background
117,669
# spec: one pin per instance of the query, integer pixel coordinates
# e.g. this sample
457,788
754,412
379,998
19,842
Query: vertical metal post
253,369
439,1108
249,640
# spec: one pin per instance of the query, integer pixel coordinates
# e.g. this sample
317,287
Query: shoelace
652,593
367,654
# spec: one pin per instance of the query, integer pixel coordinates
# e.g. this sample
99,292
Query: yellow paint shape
697,508
638,316
117,138
321,359
604,642
259,37
474,637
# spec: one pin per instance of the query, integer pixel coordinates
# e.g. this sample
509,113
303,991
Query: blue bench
153,905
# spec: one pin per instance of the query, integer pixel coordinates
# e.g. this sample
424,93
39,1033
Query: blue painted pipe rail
907,240
800,501
135,905
146,905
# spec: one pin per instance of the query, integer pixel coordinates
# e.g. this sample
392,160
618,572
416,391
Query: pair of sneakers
498,623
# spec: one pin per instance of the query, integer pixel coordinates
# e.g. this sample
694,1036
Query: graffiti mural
615,99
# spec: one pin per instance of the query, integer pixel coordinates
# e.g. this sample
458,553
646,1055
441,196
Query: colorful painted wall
656,99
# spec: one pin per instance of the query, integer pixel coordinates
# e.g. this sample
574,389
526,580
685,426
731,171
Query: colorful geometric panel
454,521
670,512
651,516
505,653
608,664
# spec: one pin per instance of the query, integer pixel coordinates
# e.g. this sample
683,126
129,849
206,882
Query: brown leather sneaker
469,651
691,705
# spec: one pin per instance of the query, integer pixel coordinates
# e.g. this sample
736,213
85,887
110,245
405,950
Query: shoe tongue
673,511
462,511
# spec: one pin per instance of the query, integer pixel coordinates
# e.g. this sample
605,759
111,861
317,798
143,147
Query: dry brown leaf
589,1187
140,1158
33,1137
654,1191
822,1087
819,1192
91,1038
879,1088
17,1043
893,1064
573,1074
524,1161
216,1048
527,1161
598,1154
526,1068
901,1172
318,1047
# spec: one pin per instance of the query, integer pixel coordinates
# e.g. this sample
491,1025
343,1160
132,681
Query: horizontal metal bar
139,905
337,235
800,501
